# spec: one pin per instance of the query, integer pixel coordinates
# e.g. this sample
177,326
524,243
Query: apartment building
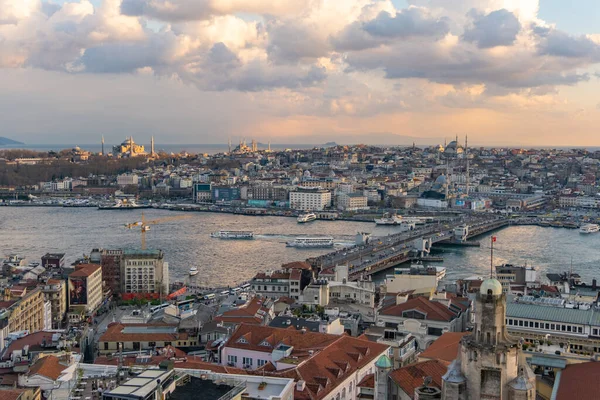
143,273
55,291
26,313
310,199
85,291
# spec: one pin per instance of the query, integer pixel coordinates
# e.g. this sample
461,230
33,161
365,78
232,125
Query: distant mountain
8,142
330,144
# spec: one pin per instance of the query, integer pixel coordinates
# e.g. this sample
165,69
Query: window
520,323
537,325
247,361
579,329
260,363
232,359
265,343
242,340
414,314
552,326
547,326
510,322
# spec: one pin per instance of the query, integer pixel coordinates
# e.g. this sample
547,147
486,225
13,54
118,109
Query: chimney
300,385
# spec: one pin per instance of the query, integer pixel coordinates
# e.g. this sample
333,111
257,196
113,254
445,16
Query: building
257,311
55,291
352,202
414,277
127,179
201,192
225,193
85,291
110,260
144,273
359,292
152,384
426,319
405,381
128,149
403,348
488,364
275,284
516,277
309,199
53,260
9,393
136,337
324,366
26,313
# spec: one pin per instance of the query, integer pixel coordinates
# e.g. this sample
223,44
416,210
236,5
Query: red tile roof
30,340
368,381
48,366
297,265
114,333
435,311
248,313
445,348
84,270
11,394
579,381
273,275
411,377
334,358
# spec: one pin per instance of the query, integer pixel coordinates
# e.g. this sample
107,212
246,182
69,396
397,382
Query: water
33,231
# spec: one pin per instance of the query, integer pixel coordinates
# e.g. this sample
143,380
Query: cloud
413,21
498,28
556,43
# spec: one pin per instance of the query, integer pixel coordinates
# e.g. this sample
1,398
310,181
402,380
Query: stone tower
383,366
152,146
487,366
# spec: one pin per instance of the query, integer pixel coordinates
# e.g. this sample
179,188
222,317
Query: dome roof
452,145
441,179
491,284
384,362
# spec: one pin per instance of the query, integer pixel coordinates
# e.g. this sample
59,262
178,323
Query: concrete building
85,291
488,364
127,179
359,292
55,291
414,277
24,313
425,319
53,260
308,199
275,284
143,273
110,260
201,192
136,337
516,277
352,202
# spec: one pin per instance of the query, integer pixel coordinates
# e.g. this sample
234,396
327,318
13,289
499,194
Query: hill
8,142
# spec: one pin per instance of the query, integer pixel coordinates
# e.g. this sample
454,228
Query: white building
127,179
352,202
310,199
416,277
47,315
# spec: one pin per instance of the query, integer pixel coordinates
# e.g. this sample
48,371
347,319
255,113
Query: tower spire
152,145
102,144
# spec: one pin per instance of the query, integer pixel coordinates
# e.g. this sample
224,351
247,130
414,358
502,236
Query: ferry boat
302,218
193,271
311,242
232,235
589,228
125,204
388,219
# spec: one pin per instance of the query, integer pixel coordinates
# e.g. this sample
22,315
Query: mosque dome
441,180
491,284
452,145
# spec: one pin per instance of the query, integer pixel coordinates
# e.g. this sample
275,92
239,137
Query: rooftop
84,270
556,314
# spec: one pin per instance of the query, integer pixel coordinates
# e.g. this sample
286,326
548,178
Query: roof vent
300,385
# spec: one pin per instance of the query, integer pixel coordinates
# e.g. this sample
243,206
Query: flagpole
492,258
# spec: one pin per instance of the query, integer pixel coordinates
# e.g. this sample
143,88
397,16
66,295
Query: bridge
386,252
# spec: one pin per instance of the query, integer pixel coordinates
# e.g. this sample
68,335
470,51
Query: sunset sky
505,72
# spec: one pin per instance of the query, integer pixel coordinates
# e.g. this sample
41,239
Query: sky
503,72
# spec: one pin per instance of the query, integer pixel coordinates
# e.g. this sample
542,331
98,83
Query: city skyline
505,72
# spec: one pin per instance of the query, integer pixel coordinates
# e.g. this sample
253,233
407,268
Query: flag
493,238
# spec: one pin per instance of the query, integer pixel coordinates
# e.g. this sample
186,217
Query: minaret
467,156
152,146
269,148
131,150
229,144
102,144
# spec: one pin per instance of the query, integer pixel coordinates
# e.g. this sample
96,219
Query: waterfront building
144,273
352,202
85,291
225,193
53,260
128,149
127,180
201,192
357,292
489,363
426,319
515,278
324,366
310,199
55,291
275,284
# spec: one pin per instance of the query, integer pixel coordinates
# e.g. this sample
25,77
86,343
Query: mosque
131,149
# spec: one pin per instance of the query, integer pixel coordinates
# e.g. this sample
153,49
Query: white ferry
388,219
193,271
311,242
589,228
302,218
232,235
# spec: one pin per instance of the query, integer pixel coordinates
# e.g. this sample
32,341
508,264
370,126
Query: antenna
492,240
467,156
